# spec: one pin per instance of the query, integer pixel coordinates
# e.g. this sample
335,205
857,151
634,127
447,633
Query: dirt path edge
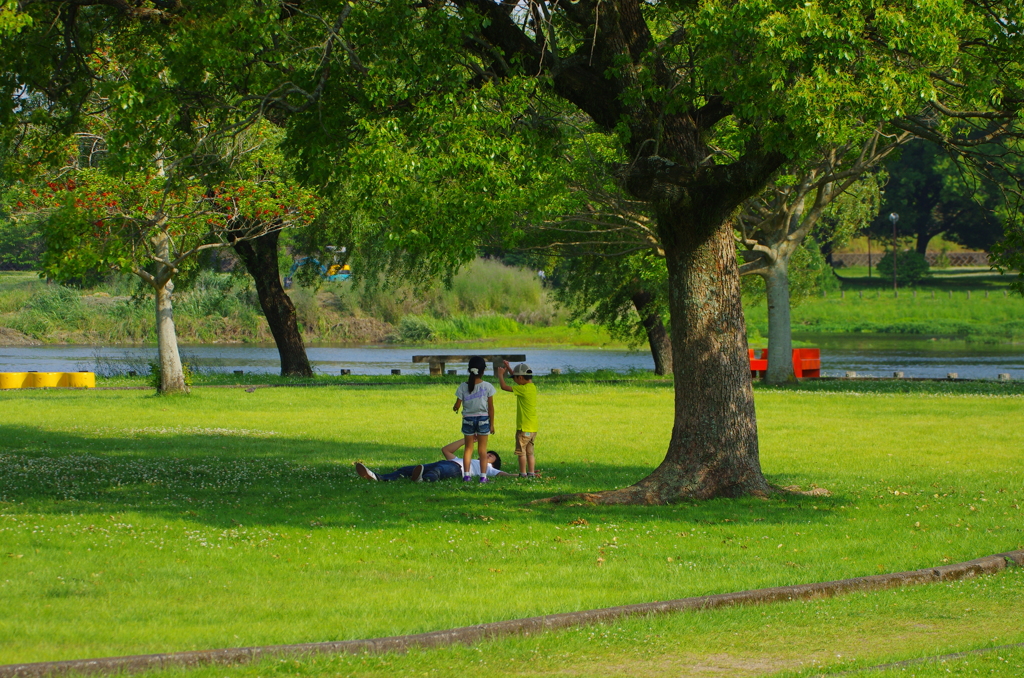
471,634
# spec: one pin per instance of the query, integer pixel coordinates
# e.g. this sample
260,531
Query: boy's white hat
522,370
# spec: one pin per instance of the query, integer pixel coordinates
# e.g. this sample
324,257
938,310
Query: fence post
968,295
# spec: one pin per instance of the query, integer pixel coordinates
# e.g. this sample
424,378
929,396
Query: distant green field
131,523
961,277
977,307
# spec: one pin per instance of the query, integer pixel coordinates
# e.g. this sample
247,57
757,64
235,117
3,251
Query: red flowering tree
151,224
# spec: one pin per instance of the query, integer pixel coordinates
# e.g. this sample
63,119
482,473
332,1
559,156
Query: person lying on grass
449,467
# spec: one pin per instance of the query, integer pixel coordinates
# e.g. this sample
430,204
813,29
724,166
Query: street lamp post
893,217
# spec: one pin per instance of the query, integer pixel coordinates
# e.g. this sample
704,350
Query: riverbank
491,305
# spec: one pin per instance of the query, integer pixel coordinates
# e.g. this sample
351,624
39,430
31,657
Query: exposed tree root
795,489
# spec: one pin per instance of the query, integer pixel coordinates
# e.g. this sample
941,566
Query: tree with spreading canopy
153,225
175,84
709,100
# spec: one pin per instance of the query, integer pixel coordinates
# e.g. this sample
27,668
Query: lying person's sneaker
466,478
483,479
365,472
417,474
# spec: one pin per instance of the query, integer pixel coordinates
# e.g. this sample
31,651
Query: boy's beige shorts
524,443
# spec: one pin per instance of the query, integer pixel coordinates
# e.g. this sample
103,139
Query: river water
877,356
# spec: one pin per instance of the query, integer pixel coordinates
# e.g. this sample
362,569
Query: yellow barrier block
13,379
79,380
43,379
47,380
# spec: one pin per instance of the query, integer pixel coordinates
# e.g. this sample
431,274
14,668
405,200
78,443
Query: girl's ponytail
477,367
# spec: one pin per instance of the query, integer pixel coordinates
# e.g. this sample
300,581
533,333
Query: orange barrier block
13,379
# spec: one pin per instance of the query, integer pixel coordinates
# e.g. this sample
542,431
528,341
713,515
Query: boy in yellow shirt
525,392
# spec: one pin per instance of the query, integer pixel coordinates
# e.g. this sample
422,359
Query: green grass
995,318
132,523
637,378
960,278
938,307
799,639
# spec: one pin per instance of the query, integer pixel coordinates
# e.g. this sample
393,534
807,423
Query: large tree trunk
713,451
260,258
780,337
657,336
923,238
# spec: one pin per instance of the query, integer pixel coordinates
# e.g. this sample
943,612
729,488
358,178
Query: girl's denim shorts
476,426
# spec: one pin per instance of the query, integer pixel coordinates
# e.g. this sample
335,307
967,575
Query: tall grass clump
219,307
488,286
49,309
16,290
422,328
483,287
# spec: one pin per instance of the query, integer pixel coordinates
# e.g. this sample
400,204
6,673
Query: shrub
911,267
188,371
21,244
415,328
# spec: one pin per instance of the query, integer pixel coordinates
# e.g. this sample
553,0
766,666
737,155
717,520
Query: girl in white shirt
476,398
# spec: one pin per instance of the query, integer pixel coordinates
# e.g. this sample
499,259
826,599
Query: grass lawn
938,307
955,278
793,640
131,523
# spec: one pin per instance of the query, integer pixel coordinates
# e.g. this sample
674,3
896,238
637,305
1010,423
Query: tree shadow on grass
224,479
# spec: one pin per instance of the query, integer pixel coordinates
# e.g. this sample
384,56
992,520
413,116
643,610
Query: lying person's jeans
438,470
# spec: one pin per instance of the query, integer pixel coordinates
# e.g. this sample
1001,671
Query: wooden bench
806,363
437,362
